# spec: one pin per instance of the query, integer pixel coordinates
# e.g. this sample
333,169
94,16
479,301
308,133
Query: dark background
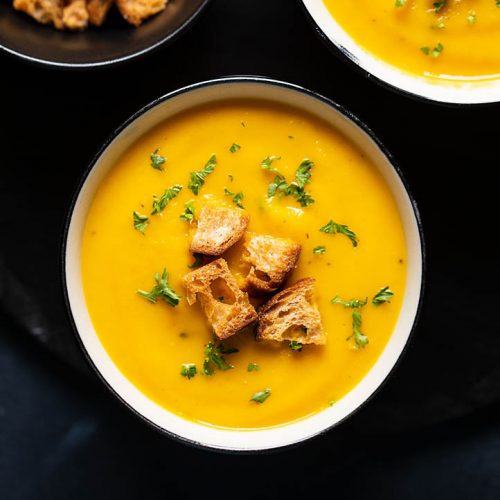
432,431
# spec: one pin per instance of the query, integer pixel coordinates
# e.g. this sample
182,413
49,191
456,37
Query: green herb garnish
214,358
157,160
141,222
471,18
261,396
360,339
319,249
234,147
266,163
351,304
400,3
253,367
188,370
197,179
159,204
382,296
435,52
295,346
161,290
334,228
188,214
236,197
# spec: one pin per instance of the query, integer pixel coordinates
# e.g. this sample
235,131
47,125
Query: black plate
116,41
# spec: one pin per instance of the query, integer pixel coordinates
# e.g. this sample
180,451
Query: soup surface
150,342
451,39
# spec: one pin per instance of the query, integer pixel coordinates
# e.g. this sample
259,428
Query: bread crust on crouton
292,315
136,11
226,307
219,228
43,11
98,10
271,259
75,15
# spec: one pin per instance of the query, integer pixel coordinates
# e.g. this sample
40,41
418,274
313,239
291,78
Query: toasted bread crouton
136,11
227,308
218,229
292,315
98,10
75,15
43,11
271,259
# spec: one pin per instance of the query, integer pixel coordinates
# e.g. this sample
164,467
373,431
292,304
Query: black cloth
53,122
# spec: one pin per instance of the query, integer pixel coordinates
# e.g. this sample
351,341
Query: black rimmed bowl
147,118
114,42
450,92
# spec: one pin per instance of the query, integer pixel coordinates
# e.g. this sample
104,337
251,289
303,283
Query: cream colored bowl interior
164,419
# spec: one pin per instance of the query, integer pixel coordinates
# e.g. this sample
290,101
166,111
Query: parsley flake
266,163
188,214
188,370
261,396
234,147
159,204
161,290
439,5
157,160
253,367
320,249
141,222
214,358
333,228
382,296
400,3
197,179
295,346
435,52
360,339
349,304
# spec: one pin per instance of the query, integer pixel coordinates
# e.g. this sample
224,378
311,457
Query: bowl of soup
444,51
303,185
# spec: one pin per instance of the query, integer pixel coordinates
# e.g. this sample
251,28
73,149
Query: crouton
292,315
227,308
271,259
136,11
75,15
43,11
98,10
218,229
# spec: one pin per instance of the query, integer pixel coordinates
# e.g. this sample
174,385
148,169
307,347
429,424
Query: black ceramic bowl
115,41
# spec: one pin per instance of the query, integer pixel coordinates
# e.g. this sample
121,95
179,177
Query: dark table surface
433,429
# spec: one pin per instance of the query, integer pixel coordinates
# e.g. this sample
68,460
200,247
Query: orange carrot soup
450,39
292,176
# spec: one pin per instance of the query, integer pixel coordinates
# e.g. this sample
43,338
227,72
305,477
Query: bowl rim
163,42
186,89
351,60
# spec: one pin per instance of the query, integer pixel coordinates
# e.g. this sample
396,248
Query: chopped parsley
157,160
296,188
161,290
261,396
471,18
188,214
349,304
360,339
333,228
295,346
253,367
197,179
214,358
234,147
188,370
159,204
319,249
400,3
435,52
141,222
266,163
236,197
198,260
382,296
